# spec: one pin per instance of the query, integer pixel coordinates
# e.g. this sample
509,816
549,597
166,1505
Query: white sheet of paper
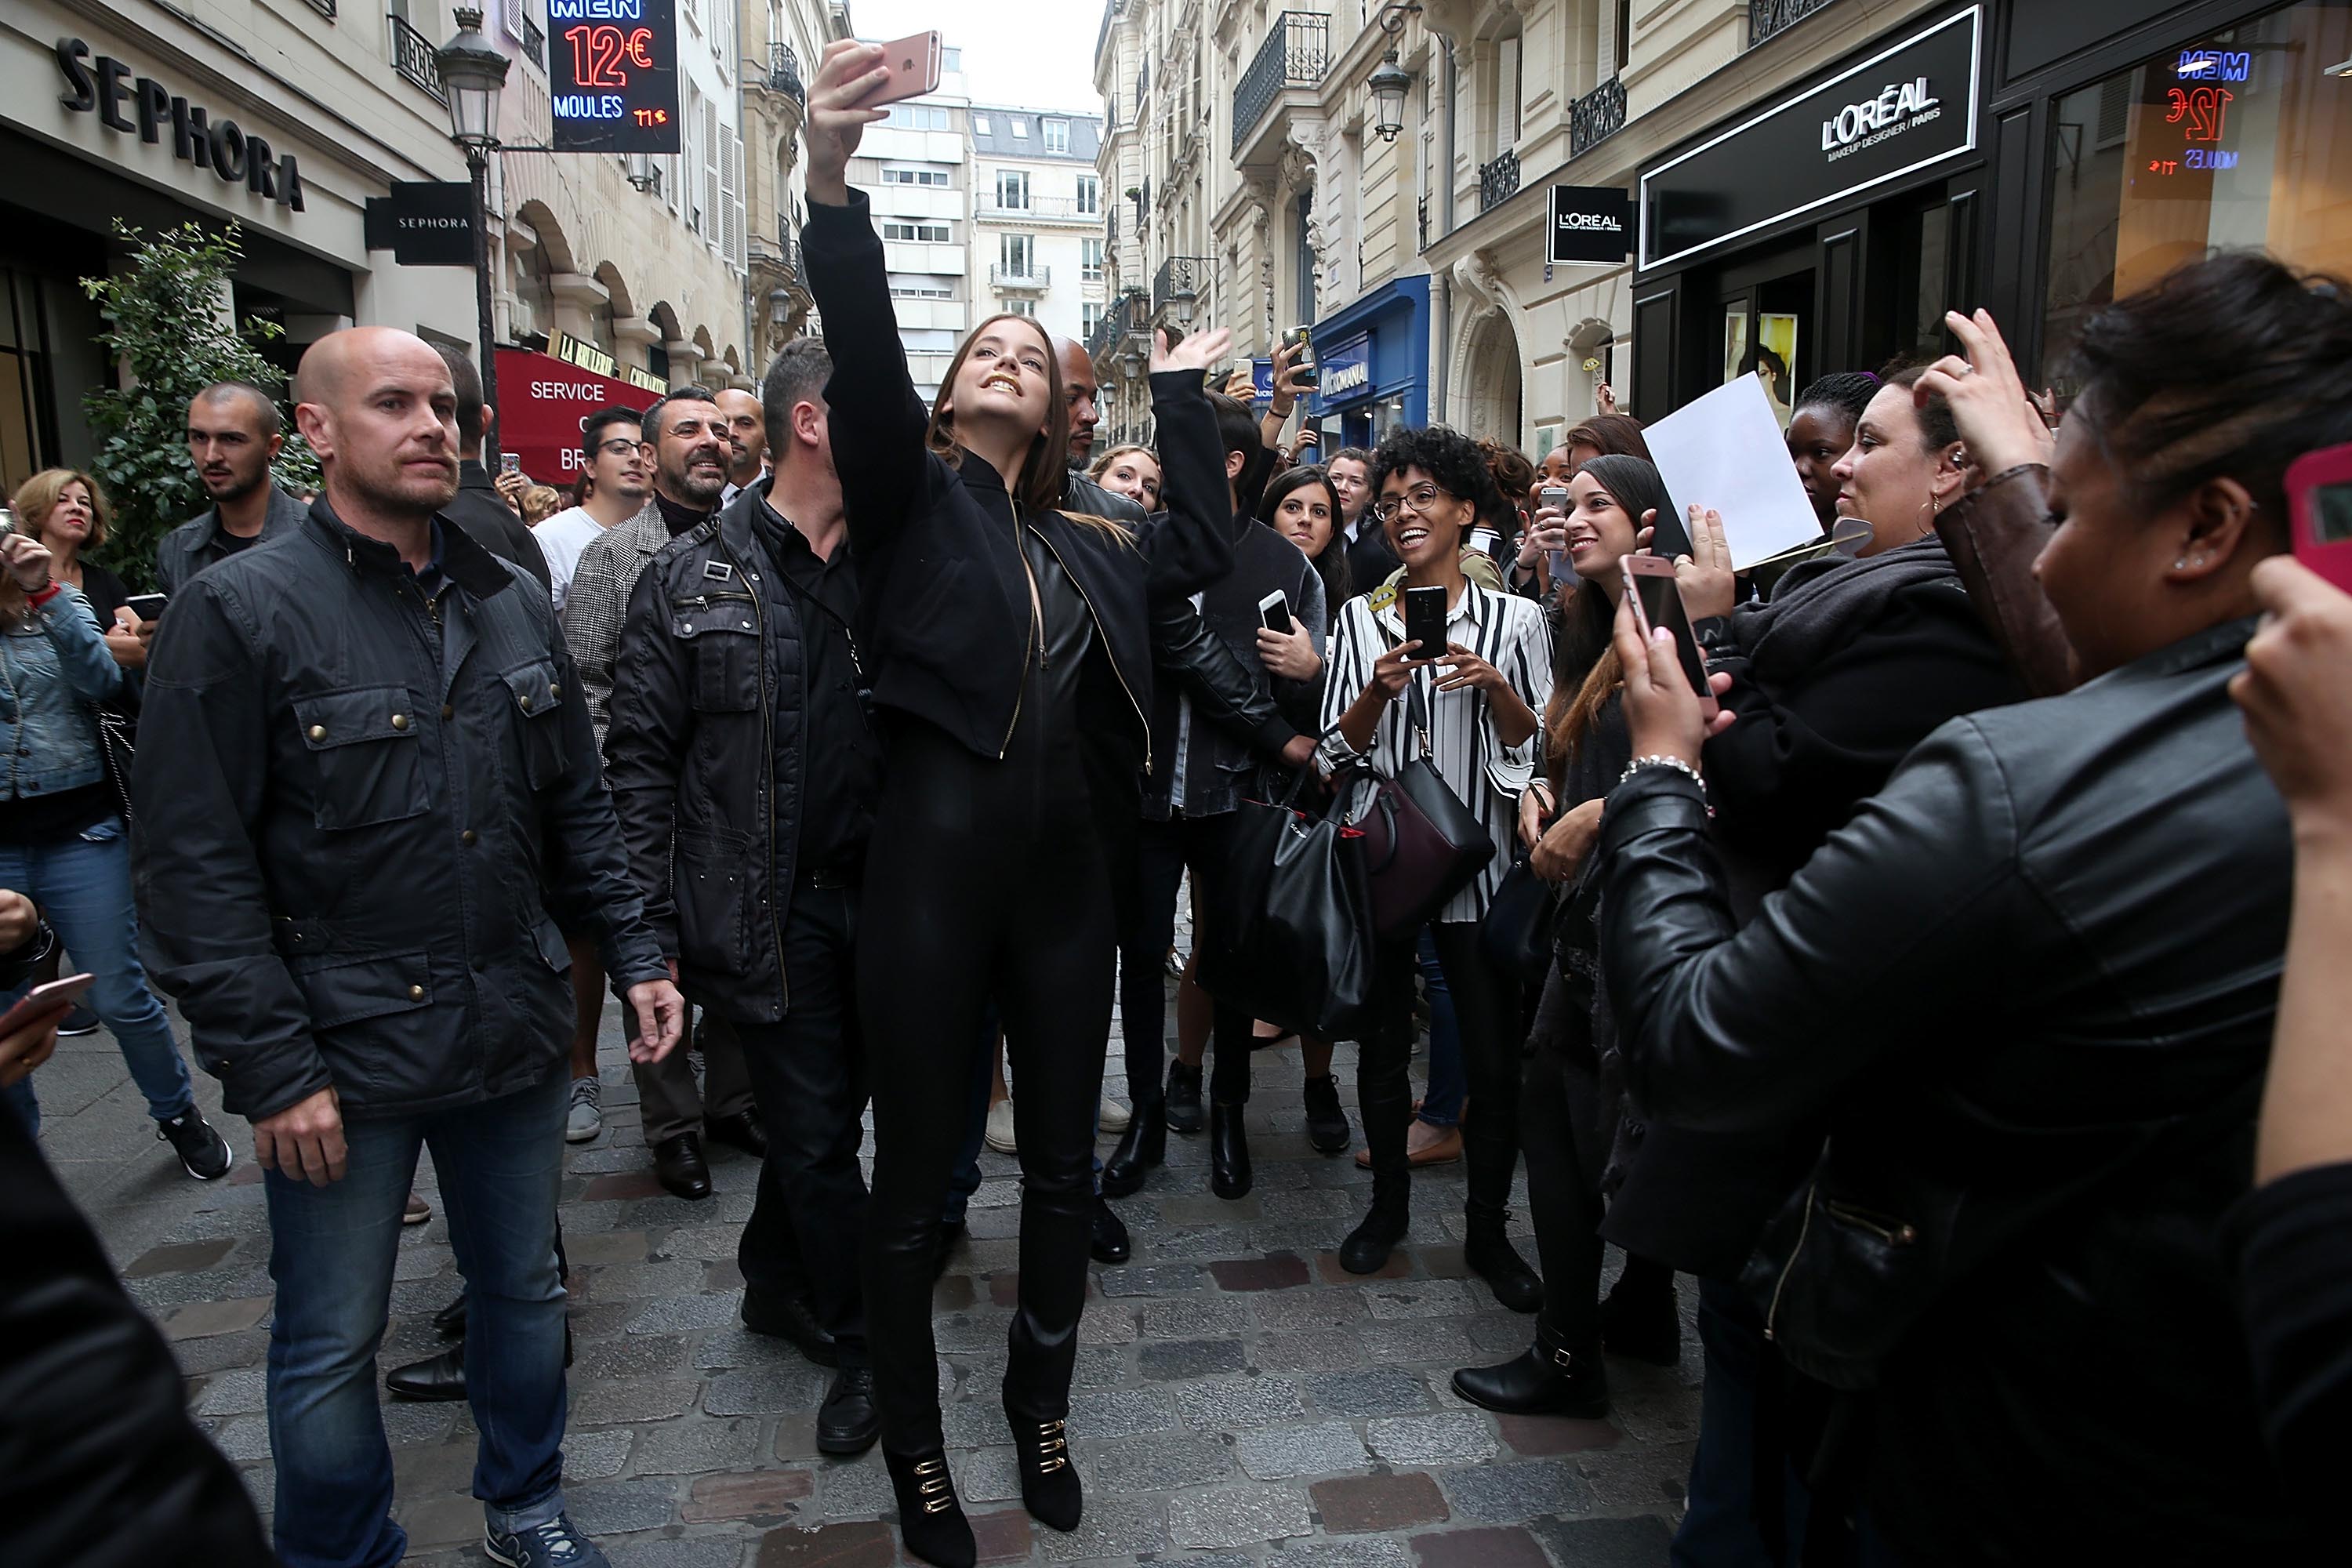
1725,451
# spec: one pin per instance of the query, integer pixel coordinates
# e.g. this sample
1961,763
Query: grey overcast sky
1033,53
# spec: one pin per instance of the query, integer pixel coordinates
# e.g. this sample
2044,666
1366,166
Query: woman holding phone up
1006,642
1481,694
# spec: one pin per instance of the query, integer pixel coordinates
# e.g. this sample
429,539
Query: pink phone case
2319,503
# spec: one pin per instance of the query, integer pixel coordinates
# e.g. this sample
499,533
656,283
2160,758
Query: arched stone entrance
1492,403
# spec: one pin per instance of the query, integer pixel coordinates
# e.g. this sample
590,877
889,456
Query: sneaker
416,1211
999,1135
1113,1117
203,1153
80,1020
587,1115
554,1545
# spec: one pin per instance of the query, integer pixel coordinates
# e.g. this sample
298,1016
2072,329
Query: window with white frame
938,177
1019,308
1090,260
1090,315
1089,192
1057,135
925,232
1012,189
1017,253
980,126
1020,128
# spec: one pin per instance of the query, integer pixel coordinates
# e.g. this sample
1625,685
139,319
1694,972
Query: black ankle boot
931,1519
1049,1480
1368,1246
1546,1379
1143,1146
1639,1321
1229,1156
1327,1131
1491,1257
1184,1099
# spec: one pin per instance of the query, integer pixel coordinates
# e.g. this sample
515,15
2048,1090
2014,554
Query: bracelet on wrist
1674,765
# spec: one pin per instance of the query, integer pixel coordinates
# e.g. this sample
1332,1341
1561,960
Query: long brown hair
1587,673
1039,484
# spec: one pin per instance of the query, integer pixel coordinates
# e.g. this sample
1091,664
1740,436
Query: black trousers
808,1076
1566,1152
1163,850
979,887
1486,1006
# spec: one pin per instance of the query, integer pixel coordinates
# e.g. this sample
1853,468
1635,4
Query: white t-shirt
562,538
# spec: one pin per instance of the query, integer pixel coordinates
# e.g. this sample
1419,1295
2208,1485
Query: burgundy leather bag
1421,844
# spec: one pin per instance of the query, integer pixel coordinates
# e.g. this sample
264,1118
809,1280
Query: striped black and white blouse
1508,633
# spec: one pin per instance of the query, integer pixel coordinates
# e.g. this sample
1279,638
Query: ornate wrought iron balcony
1596,117
1767,17
1297,53
1181,280
1031,279
784,72
411,57
1498,181
534,43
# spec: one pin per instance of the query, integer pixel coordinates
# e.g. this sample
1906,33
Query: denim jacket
55,667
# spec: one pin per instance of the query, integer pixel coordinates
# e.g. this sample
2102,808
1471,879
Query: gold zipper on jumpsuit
767,762
1036,625
1140,719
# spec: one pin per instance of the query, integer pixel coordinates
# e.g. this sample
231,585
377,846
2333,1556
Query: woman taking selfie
63,843
2054,940
1573,1119
1477,698
1007,647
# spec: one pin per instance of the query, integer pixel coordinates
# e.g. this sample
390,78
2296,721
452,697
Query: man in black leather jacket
367,789
2032,985
744,767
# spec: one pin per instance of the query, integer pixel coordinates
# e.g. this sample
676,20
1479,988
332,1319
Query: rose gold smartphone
51,1000
914,65
1658,602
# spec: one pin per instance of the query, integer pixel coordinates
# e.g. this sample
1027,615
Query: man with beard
233,434
686,446
364,807
747,442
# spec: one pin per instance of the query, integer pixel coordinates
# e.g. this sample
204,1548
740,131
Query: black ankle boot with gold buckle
931,1519
1546,1379
1049,1481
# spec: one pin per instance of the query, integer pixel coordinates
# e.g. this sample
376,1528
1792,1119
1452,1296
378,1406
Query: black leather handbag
1291,938
1421,844
1517,934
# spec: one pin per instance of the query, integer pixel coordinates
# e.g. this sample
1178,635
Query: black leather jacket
704,757
2031,982
358,821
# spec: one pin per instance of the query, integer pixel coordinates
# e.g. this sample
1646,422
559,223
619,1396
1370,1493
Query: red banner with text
542,402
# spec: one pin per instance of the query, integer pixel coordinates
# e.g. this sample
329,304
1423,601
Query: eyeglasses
620,446
1420,498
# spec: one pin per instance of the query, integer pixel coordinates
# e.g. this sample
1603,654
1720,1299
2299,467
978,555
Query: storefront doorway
1767,307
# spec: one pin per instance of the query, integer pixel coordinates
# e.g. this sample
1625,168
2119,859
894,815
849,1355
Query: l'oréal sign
142,107
1906,106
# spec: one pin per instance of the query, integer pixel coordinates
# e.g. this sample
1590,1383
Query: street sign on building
1591,224
611,75
424,222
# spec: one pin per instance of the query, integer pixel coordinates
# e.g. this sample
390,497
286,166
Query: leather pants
985,882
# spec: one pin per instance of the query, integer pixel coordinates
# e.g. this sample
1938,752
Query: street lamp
474,74
1392,82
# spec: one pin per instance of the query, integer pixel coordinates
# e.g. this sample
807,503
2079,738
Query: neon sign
612,70
2214,65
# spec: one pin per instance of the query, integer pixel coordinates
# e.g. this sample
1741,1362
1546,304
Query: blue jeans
333,1248
1441,1104
83,887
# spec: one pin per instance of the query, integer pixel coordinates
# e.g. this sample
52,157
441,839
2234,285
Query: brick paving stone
1445,1439
866,1544
1363,1505
1423,1298
637,1281
1188,1359
1195,1317
631,1355
763,1495
1444,1341
1544,1435
1319,1350
1208,1209
680,1313
1156,1462
1495,1546
1506,1494
1642,1542
1112,1527
1120,1412
855,1488
237,1392
1397,1266
443,1521
624,1185
1229,1403
987,1475
1237,1515
646,1399
620,1507
703,1552
594,1455
767,1390
184,1257
1367,1552
1316,1308
1381,1391
198,1319
1004,1536
1154,1279
1631,1479
1275,1272
696,1447
1283,1453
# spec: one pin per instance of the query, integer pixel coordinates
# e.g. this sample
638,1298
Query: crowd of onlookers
1905,967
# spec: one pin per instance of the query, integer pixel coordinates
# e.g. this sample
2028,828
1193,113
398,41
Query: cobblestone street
1240,1400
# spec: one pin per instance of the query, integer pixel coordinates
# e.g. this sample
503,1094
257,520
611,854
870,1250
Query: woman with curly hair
1476,700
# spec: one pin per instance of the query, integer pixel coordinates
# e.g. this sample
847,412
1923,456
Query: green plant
165,326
